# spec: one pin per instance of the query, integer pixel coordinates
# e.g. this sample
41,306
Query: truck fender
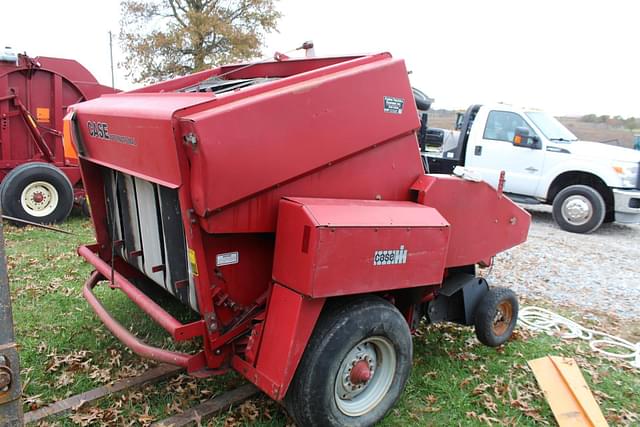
577,167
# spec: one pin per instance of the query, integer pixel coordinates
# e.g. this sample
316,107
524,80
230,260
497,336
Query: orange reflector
517,139
70,153
618,169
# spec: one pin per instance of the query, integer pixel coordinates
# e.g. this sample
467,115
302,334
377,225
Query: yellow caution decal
192,262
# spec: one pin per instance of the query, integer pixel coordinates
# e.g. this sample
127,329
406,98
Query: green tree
168,38
631,123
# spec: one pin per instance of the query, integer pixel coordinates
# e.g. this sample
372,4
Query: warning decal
393,105
42,115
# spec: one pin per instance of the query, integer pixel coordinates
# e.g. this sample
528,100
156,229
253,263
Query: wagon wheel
355,366
37,192
496,316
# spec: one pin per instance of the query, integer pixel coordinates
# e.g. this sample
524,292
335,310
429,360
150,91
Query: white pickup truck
587,183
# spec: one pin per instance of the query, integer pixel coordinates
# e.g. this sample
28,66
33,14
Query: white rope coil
540,319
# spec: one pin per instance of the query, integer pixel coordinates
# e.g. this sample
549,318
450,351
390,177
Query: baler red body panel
301,184
138,125
486,221
328,247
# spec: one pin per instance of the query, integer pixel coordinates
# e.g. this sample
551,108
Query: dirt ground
595,276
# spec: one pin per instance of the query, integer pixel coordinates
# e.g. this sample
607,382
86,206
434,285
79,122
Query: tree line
628,123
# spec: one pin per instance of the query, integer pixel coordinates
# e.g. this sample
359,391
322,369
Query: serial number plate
227,258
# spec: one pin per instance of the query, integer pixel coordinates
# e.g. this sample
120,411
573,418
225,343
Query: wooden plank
205,410
568,394
156,374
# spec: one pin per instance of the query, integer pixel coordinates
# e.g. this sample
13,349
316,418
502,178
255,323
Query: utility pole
10,387
113,82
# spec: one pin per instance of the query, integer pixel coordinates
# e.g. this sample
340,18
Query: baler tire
37,176
586,196
496,316
312,398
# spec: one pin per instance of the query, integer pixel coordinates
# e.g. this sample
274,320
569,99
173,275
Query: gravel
598,271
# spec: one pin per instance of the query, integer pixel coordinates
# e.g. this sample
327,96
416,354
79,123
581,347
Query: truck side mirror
523,139
459,120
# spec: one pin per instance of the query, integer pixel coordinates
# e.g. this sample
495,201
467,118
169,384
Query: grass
65,350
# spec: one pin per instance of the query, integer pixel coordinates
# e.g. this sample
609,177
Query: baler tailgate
330,247
148,224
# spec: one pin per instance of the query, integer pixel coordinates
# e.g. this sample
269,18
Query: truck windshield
551,127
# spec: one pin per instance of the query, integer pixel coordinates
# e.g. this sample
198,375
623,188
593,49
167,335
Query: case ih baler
285,203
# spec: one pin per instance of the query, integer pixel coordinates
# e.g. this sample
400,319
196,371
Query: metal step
526,200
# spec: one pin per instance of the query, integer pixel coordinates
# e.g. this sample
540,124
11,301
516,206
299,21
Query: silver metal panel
193,299
130,194
114,213
148,218
150,231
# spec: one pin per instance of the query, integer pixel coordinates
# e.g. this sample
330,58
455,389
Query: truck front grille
148,223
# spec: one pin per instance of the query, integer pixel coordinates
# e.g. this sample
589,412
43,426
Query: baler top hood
254,110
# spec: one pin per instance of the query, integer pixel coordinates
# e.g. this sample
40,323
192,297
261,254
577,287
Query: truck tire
355,366
496,316
579,209
37,192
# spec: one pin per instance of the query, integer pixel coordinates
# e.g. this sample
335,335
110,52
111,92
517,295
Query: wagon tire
36,192
355,365
579,209
496,316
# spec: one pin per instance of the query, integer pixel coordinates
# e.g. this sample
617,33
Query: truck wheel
355,365
37,192
579,209
496,316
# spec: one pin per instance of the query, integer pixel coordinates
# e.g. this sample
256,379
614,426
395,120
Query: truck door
491,150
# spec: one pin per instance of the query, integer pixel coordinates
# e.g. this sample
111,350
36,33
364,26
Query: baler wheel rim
355,399
503,317
39,199
496,316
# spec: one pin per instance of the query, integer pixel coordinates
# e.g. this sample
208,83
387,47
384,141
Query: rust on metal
10,386
5,375
503,318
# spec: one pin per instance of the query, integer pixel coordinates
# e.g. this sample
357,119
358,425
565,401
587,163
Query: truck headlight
627,172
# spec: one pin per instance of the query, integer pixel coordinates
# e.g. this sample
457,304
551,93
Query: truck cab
587,183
